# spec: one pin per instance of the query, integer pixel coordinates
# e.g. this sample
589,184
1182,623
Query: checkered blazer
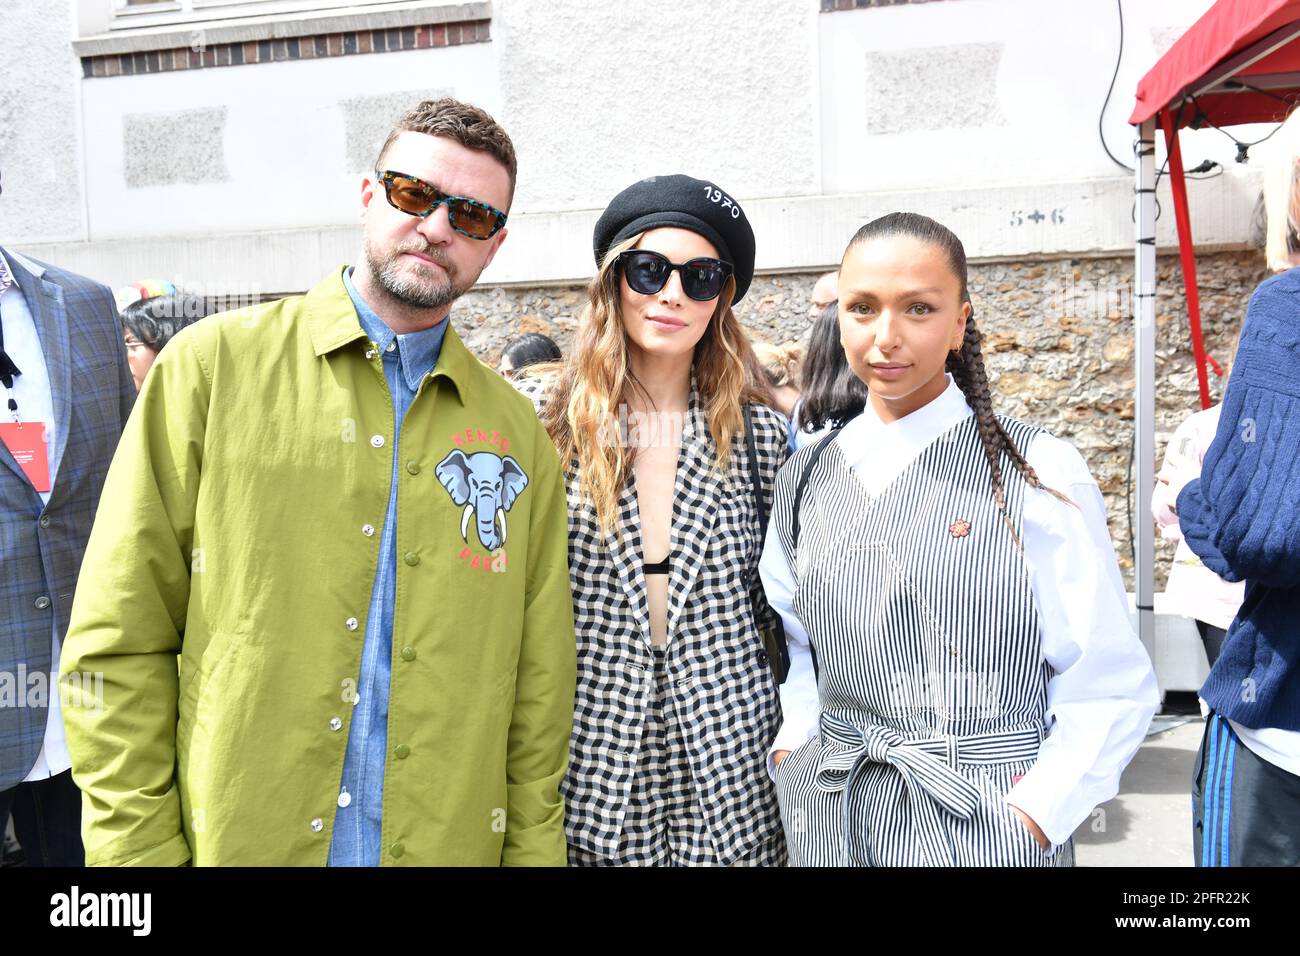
725,694
41,546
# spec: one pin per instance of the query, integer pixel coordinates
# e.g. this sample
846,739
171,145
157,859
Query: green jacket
238,530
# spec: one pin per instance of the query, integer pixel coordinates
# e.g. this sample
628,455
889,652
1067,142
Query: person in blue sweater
1242,519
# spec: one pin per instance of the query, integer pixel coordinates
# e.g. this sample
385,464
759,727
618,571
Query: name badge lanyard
8,370
29,450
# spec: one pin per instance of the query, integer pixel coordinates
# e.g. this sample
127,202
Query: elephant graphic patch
486,486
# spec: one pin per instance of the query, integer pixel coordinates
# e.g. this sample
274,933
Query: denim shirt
358,821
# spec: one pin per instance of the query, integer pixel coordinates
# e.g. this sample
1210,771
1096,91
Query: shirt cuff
1038,796
174,851
793,735
1015,801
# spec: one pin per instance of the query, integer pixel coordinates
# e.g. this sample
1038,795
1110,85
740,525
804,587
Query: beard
418,287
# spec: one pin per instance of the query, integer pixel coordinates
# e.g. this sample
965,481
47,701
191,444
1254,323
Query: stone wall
1058,345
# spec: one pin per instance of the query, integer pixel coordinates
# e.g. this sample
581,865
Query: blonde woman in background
781,367
1280,157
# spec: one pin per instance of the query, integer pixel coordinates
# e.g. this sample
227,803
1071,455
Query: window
128,14
118,37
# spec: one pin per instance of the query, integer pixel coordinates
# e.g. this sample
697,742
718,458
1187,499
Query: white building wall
982,113
975,93
264,146
598,95
40,124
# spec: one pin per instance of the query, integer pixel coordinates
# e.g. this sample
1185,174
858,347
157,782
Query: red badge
26,442
959,528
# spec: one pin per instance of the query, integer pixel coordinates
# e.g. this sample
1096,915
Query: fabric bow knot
933,785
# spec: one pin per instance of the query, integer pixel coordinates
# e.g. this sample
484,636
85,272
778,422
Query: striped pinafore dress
931,678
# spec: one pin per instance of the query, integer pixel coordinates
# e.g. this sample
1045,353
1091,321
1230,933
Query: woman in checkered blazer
676,700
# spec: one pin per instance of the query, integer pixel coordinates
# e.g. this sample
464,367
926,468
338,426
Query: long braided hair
966,365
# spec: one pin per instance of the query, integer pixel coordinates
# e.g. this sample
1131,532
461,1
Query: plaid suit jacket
726,697
41,545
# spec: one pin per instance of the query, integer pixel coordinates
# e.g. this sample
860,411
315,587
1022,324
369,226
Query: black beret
685,203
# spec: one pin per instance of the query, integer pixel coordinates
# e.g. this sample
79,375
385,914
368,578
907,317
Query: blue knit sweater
1242,517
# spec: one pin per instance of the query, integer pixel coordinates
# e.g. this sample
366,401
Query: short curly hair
461,122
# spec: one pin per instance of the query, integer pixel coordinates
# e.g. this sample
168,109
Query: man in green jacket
354,536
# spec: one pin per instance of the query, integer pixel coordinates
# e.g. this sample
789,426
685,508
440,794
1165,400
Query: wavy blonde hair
782,364
586,391
1280,159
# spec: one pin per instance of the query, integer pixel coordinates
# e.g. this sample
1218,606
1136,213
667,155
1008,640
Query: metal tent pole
1144,357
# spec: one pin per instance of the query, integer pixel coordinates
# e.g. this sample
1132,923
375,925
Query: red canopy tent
1235,60
1239,63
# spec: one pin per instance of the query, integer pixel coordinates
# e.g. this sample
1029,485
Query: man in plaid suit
65,394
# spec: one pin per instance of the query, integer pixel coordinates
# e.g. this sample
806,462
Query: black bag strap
817,449
756,482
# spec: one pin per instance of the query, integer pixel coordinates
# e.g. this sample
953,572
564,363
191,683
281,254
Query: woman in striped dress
965,686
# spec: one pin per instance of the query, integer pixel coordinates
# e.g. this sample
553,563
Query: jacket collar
417,352
896,444
696,496
332,323
696,499
13,259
